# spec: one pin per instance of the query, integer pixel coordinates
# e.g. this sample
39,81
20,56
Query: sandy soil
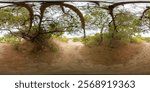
75,58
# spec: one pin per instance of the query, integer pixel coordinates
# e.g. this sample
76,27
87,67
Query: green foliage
60,38
89,40
92,40
76,39
9,39
88,18
13,17
127,25
147,39
96,16
136,40
121,37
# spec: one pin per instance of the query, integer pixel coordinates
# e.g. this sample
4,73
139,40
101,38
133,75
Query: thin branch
6,6
7,29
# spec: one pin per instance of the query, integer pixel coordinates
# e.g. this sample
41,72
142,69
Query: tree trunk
101,35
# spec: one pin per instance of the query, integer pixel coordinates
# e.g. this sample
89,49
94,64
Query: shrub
60,38
76,39
14,41
147,39
9,39
91,40
136,40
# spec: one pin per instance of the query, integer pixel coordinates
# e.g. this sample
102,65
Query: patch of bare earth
75,58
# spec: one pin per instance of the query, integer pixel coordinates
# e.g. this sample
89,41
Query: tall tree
128,24
97,17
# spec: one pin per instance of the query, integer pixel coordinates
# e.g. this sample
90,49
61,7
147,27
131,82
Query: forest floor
75,58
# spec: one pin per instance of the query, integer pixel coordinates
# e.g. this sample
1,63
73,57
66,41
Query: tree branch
143,14
30,10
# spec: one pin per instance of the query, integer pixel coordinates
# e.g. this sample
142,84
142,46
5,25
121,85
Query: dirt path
75,58
1,50
141,61
70,60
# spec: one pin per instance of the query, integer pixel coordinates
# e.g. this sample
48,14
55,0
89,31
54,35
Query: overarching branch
77,11
143,14
43,8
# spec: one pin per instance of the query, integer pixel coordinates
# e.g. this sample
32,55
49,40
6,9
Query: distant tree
98,17
127,24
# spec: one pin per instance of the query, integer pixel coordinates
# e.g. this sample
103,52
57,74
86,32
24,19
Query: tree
96,16
127,24
37,26
145,18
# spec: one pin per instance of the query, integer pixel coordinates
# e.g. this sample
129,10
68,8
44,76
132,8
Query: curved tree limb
143,14
30,10
77,11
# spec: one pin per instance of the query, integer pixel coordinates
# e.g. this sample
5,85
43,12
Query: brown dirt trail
75,58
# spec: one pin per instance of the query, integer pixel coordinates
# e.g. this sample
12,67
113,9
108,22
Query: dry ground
75,58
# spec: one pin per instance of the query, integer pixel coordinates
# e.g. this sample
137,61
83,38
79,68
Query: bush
147,39
14,41
9,39
91,40
121,37
136,40
76,39
60,38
